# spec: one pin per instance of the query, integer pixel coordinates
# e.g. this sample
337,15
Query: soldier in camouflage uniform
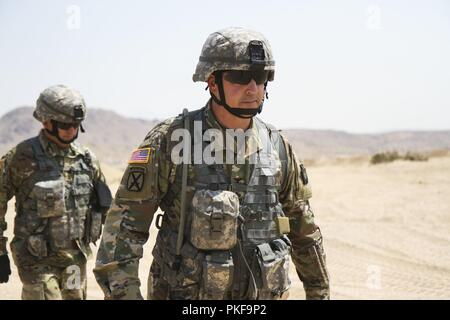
61,199
227,230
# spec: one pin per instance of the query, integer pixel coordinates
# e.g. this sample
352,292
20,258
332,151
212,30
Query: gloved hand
5,268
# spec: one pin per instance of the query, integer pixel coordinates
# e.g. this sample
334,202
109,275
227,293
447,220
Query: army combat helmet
235,49
60,105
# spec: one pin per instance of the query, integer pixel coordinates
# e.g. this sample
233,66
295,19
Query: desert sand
386,230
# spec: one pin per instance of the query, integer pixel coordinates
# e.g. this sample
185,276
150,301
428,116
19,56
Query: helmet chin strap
238,112
54,133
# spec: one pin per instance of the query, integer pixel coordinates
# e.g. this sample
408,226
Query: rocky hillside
112,137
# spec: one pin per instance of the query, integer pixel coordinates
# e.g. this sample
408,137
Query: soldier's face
65,134
248,96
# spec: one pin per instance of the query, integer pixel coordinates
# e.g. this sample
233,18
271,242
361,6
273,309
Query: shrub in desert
387,156
390,156
415,156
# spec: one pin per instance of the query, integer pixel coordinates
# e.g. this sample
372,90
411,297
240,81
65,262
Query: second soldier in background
61,199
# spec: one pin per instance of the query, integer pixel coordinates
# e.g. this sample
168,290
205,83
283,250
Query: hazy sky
358,66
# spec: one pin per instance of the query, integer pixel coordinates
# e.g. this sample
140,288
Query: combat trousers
159,289
44,282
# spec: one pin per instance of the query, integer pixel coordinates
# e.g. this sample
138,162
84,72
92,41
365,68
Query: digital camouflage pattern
274,267
55,216
60,103
218,274
44,282
228,49
129,219
214,220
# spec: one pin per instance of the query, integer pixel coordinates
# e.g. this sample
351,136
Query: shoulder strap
38,152
86,156
277,141
180,235
88,159
45,164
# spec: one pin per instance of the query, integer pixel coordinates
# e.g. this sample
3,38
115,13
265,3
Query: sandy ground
386,230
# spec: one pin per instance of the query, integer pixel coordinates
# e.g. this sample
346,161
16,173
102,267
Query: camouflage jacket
146,186
79,169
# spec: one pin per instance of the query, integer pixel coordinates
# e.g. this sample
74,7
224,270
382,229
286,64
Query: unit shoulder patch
135,180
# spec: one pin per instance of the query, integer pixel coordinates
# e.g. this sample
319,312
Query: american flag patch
140,155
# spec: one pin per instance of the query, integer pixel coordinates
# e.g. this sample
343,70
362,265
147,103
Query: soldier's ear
47,125
212,83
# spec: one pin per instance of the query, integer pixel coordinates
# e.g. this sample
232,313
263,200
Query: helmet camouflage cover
60,103
234,49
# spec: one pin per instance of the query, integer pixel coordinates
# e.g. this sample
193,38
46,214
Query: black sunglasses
245,76
67,126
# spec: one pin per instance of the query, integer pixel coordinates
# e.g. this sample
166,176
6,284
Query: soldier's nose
251,87
72,130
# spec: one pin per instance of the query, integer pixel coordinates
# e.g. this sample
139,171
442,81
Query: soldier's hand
5,268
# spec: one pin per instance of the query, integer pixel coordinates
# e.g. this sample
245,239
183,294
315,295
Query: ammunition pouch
50,198
50,201
214,220
37,245
217,275
271,268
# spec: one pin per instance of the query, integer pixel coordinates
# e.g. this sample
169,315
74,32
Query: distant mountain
315,143
112,137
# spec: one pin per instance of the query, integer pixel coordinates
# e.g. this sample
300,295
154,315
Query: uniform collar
53,149
253,141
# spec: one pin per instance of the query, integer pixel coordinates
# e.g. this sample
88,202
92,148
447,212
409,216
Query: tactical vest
235,243
53,205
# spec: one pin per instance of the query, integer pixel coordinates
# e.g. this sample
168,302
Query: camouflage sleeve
127,224
6,193
101,190
308,254
98,174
